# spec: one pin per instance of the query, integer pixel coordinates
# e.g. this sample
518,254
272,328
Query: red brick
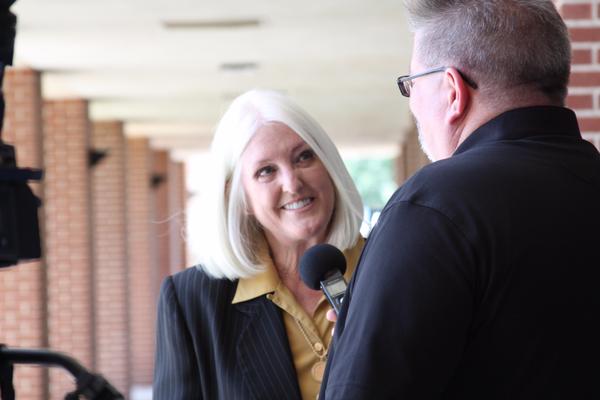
110,256
581,56
143,268
585,79
177,203
585,34
411,156
589,124
160,166
576,11
68,251
580,102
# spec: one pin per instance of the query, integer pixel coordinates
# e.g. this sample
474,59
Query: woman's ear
458,96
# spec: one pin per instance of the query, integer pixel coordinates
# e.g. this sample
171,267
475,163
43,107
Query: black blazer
208,348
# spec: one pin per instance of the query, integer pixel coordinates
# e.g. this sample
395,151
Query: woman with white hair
242,324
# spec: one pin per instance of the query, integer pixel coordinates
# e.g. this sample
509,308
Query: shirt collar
521,123
268,280
261,283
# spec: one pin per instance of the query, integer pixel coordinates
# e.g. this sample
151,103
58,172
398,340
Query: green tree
374,178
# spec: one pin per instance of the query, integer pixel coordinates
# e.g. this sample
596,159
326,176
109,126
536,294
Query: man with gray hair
481,279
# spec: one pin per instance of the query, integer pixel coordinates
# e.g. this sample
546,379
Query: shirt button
318,347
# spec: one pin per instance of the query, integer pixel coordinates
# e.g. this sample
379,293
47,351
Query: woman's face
287,188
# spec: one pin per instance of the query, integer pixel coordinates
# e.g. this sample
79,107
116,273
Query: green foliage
374,179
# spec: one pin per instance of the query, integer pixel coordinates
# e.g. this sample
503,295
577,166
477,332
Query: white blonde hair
229,246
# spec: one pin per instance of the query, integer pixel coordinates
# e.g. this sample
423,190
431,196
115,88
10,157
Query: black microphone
322,267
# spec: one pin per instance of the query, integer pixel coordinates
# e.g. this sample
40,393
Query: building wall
111,276
161,219
143,272
68,235
93,294
583,20
177,220
410,157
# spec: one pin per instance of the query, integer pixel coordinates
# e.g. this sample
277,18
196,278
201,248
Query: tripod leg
7,391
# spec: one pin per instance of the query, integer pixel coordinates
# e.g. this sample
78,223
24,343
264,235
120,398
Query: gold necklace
318,369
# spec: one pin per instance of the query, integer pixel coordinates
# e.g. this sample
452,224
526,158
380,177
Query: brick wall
410,157
67,214
182,229
110,255
142,264
23,288
177,221
93,295
583,20
161,218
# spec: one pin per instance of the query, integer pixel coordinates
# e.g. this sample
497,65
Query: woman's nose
292,181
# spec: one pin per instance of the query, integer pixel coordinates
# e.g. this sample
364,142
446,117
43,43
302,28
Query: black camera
19,228
19,231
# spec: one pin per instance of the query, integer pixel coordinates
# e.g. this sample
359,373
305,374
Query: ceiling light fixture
238,66
211,24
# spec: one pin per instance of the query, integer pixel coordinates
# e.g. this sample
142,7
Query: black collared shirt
481,279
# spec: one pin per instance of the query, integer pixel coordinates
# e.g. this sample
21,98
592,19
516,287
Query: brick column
68,235
411,158
161,218
177,204
23,288
110,255
583,20
142,263
185,195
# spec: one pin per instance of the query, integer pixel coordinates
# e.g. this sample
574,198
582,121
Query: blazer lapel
264,355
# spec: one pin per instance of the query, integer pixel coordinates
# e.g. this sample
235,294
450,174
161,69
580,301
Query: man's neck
483,111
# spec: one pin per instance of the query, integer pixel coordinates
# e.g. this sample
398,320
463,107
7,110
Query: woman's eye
306,155
264,172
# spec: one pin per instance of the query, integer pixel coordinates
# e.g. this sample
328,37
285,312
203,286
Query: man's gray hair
499,44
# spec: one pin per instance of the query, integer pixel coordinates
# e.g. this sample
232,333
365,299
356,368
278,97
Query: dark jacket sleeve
176,370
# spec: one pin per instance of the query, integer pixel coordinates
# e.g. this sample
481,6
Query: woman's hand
331,316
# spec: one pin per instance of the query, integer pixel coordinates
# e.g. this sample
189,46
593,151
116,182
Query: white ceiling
337,58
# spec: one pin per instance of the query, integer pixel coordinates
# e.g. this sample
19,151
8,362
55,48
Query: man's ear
458,95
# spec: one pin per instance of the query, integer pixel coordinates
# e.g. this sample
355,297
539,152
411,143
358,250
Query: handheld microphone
322,267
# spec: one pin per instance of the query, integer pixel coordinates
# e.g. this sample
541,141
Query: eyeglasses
405,82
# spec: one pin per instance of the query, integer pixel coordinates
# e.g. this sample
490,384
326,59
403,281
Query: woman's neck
286,258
